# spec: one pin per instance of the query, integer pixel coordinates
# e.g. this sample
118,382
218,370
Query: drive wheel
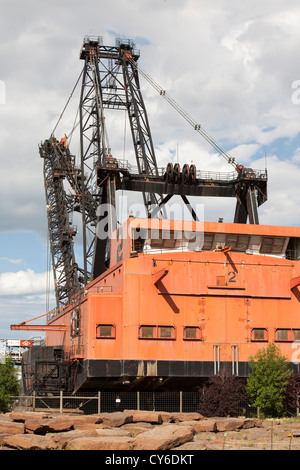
169,173
186,173
192,174
176,173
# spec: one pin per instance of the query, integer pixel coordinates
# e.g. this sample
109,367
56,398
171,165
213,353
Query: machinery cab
150,236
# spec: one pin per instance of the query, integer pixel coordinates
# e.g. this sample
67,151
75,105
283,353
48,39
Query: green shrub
8,384
292,396
221,395
268,380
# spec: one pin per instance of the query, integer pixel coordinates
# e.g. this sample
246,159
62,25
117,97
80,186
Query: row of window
281,334
152,332
194,333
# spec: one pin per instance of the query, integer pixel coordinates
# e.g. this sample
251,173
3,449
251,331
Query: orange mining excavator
158,303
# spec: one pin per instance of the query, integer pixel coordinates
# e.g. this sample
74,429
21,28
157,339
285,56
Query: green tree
8,384
268,380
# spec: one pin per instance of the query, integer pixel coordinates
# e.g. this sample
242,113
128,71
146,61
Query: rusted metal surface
231,303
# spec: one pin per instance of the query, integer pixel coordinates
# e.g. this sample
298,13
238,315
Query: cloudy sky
232,65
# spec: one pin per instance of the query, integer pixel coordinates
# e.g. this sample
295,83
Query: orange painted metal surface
164,301
25,327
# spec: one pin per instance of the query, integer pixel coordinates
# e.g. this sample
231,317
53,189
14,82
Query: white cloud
244,153
283,197
11,260
296,157
23,283
229,64
24,295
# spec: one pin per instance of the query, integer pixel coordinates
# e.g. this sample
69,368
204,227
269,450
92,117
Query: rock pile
127,430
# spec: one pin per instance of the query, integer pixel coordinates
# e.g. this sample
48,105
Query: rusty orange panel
221,298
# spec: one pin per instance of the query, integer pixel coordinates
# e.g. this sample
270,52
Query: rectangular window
259,334
296,335
147,332
166,332
156,332
283,334
192,333
106,331
287,334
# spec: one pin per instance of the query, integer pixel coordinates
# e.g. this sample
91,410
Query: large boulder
22,416
136,428
29,442
86,419
44,426
10,427
101,443
109,432
205,425
232,424
115,419
153,417
163,437
62,439
5,417
221,424
177,417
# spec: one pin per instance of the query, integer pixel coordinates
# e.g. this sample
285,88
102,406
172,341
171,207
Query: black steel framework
110,80
93,147
59,163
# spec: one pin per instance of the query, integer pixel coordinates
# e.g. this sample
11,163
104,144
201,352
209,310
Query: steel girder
109,82
119,88
61,232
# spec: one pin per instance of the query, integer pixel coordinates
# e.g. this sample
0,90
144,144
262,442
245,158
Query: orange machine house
180,301
165,303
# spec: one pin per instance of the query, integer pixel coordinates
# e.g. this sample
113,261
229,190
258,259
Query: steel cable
198,127
66,105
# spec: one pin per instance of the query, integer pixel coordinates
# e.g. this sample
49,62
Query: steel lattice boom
110,80
59,164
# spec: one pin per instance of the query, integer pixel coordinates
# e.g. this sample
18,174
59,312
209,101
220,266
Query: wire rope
198,127
67,103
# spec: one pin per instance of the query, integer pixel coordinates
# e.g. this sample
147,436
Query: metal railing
202,175
111,401
98,402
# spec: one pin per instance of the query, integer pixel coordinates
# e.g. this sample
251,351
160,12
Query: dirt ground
273,435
